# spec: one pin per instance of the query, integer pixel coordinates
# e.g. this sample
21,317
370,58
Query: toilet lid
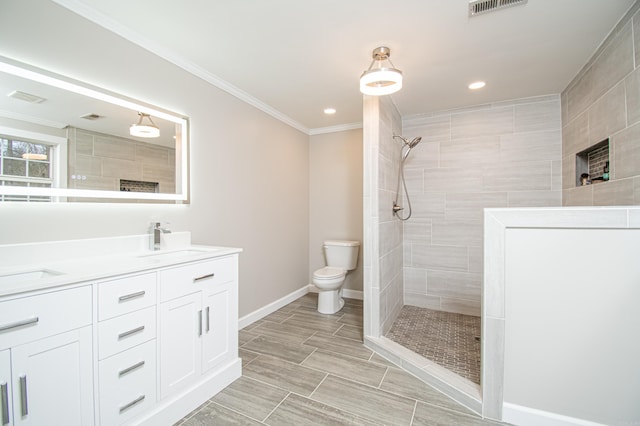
328,272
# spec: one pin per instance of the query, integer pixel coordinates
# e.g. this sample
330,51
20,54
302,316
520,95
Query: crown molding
155,48
334,129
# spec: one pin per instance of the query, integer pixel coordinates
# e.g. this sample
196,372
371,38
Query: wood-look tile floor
301,367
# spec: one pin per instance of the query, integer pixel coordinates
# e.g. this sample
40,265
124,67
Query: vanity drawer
127,383
34,317
186,279
126,295
126,331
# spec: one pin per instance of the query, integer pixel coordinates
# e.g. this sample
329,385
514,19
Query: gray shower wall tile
614,193
461,206
428,206
460,179
636,37
122,169
523,176
415,280
483,122
476,150
390,236
607,114
454,285
110,147
432,128
457,232
440,257
615,61
632,92
417,231
578,196
461,306
534,146
476,258
575,135
569,178
626,149
537,116
556,175
414,179
422,300
425,154
535,198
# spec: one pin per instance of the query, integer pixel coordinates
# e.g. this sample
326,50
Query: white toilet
341,257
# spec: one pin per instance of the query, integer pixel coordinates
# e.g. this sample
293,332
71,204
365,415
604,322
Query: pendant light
379,80
145,127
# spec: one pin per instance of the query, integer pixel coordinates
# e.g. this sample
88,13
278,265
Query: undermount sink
173,253
25,276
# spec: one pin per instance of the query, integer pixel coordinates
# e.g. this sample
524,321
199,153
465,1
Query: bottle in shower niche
605,172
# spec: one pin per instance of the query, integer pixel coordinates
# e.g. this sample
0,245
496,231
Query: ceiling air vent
478,7
26,97
91,116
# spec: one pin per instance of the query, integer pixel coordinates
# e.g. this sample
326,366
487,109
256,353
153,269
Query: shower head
414,141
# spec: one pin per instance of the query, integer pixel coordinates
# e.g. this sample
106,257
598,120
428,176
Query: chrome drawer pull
130,369
200,322
132,403
23,396
204,277
130,332
4,406
17,324
207,327
131,296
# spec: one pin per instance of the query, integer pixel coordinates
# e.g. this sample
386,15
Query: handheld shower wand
405,150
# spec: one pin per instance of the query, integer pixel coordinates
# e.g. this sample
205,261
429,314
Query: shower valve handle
397,208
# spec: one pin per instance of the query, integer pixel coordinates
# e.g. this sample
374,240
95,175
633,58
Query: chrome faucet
154,231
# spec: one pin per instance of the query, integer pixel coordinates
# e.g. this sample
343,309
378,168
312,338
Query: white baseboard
525,416
348,293
271,307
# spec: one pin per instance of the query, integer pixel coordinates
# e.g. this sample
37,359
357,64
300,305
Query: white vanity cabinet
198,321
46,373
126,347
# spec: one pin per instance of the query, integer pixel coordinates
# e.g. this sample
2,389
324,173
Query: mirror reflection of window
27,164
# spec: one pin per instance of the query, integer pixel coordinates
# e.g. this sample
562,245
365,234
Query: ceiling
295,58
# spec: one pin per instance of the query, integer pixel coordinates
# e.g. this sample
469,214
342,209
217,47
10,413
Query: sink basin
25,276
173,253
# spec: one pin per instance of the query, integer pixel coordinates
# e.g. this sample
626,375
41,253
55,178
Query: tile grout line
316,388
276,407
413,415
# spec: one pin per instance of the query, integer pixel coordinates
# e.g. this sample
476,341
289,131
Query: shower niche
592,164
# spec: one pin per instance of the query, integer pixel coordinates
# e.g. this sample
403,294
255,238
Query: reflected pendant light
145,127
379,80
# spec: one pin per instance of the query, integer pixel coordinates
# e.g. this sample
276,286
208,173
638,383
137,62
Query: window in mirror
26,164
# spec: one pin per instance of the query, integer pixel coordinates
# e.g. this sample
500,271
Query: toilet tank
342,254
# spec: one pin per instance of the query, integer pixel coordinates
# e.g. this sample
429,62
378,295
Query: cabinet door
180,343
6,412
53,380
219,314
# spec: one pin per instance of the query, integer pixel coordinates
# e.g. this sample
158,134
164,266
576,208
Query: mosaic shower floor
445,338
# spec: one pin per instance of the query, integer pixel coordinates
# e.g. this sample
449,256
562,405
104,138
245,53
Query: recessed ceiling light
329,111
477,85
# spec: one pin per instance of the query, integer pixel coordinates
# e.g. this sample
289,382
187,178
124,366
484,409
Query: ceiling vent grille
479,7
26,97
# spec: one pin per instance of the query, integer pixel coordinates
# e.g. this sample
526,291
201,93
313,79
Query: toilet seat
329,273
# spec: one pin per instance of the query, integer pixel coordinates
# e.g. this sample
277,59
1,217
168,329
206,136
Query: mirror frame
181,195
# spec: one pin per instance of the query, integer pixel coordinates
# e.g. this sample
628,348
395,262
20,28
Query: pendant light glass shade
145,127
379,80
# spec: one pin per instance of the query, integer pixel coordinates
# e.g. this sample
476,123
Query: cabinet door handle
200,322
4,395
23,396
207,327
130,369
130,332
132,403
204,277
7,327
131,296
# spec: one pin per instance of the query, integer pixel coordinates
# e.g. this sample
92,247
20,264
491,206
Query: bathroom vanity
92,338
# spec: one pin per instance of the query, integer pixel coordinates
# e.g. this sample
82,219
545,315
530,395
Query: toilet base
330,302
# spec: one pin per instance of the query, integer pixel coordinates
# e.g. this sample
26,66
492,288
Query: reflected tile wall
503,155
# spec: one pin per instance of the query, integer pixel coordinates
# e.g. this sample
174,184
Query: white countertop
38,266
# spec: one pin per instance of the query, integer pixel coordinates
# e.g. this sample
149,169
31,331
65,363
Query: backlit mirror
65,141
